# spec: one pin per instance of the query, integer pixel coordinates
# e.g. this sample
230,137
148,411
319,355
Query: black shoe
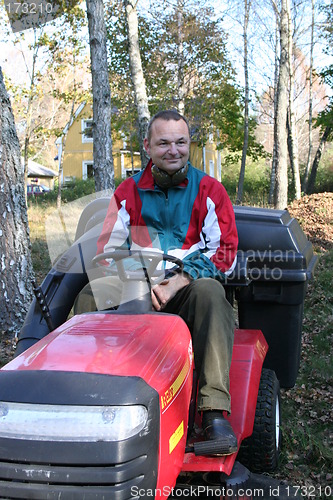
220,437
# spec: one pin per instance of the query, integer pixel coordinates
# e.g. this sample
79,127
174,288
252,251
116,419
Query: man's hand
165,291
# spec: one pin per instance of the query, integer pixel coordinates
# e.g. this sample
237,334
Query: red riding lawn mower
103,405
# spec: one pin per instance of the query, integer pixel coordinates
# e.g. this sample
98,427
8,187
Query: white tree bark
15,260
139,84
102,141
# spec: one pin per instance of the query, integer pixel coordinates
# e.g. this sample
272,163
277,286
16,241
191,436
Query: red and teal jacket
193,221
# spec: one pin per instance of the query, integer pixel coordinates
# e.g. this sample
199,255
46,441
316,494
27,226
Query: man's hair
168,114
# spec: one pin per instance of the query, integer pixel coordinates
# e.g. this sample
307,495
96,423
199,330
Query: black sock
209,415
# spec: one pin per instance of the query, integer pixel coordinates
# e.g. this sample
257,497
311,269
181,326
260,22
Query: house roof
37,170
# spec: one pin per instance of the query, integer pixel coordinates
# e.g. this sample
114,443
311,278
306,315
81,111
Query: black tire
260,452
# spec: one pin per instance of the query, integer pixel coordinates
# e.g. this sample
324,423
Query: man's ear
146,145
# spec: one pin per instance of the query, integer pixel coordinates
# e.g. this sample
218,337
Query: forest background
217,64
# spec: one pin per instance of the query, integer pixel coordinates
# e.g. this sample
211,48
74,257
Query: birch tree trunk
276,79
293,143
15,259
307,167
180,58
102,141
247,6
139,84
281,188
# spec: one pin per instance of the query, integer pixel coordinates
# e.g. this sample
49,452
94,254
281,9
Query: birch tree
276,81
291,118
102,141
139,84
180,58
281,185
247,7
308,162
15,259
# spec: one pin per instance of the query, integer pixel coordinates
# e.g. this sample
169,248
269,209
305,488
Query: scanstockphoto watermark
195,492
309,491
26,14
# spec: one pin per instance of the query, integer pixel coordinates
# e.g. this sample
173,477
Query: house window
86,129
68,179
87,170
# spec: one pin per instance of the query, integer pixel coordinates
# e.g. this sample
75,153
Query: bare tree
307,167
61,152
247,7
16,266
276,80
31,92
291,119
74,94
139,84
281,186
180,58
102,141
312,178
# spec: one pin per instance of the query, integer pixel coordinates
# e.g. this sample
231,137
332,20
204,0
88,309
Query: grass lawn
307,454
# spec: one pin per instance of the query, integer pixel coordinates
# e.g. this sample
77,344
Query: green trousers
209,316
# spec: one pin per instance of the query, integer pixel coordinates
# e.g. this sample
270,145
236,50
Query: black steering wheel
149,260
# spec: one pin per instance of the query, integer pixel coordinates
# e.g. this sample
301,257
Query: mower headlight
70,423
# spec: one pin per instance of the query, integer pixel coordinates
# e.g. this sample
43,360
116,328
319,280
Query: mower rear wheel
260,452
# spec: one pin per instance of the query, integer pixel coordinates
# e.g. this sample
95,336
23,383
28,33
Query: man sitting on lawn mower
193,217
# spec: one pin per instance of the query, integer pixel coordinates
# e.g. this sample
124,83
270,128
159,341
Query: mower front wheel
260,452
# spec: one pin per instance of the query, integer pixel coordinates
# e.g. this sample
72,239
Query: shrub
256,182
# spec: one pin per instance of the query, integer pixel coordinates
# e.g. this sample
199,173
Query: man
191,216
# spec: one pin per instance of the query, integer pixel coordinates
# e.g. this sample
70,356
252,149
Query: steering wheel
149,260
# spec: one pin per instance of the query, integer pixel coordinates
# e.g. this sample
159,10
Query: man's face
169,145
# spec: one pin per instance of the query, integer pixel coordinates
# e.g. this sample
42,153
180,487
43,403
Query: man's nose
173,148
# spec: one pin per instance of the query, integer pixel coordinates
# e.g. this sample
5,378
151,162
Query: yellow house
78,151
206,158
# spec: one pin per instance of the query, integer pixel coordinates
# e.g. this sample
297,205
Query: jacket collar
146,180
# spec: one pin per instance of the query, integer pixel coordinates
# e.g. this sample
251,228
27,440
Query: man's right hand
165,291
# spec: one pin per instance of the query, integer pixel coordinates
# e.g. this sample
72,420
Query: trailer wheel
260,452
